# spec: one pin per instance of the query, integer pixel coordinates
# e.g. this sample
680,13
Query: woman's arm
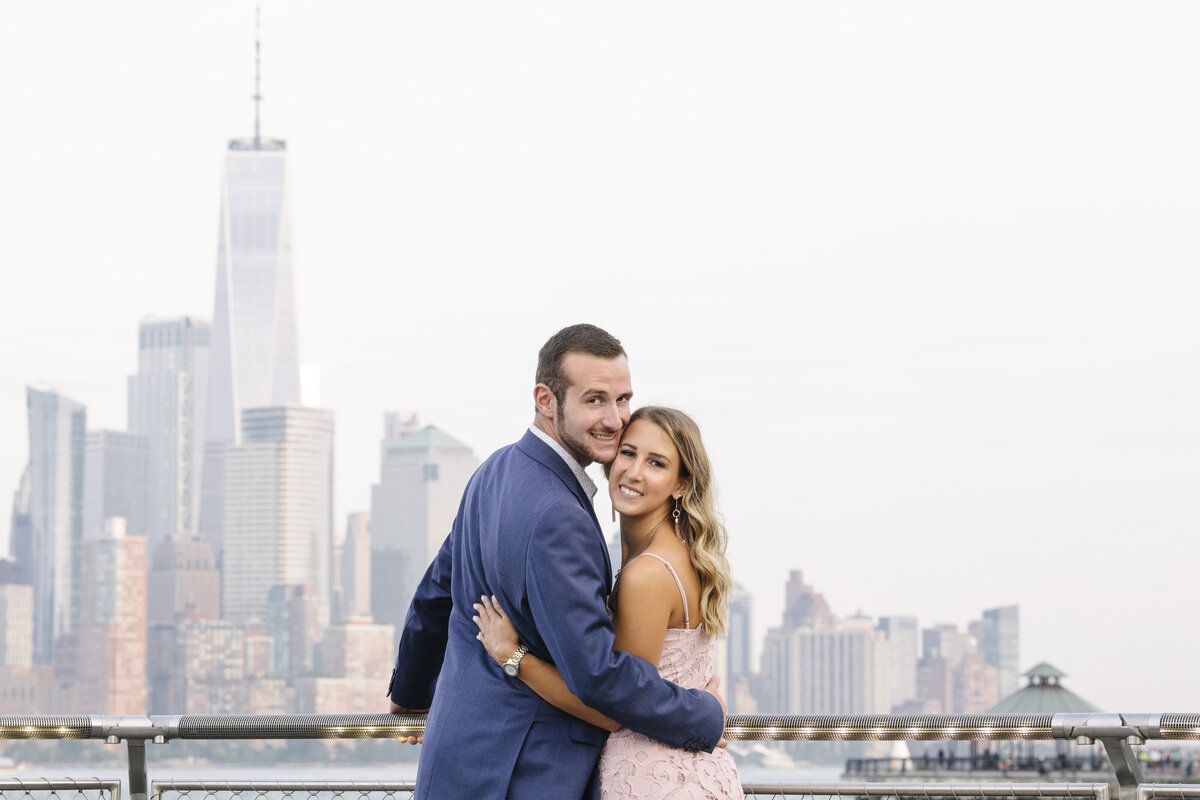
499,637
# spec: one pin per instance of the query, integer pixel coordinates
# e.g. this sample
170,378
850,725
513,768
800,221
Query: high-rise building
184,583
948,642
999,635
57,431
838,669
214,667
975,686
935,687
292,623
355,660
422,477
112,629
29,690
278,522
116,482
16,625
804,606
357,649
732,653
740,634
260,651
211,657
167,401
255,357
901,632
356,567
20,539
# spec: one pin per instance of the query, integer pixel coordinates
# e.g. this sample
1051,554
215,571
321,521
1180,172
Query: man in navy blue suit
526,532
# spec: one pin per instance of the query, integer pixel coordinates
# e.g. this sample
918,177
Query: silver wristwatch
513,665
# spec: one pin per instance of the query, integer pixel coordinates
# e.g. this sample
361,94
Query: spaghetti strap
687,620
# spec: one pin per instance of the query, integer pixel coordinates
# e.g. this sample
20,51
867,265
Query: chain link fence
59,789
373,790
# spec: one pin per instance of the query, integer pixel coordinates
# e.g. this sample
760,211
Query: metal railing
62,789
1116,732
1166,791
293,790
366,790
983,762
44,789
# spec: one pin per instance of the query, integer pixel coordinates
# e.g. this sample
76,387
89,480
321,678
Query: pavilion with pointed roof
1044,694
430,437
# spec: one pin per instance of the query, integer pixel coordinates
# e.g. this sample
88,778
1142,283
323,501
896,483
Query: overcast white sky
924,272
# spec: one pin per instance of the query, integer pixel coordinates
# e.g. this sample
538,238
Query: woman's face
644,476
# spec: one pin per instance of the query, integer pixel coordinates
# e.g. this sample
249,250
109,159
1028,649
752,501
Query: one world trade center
254,358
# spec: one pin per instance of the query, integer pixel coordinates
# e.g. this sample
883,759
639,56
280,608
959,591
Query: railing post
1125,765
137,768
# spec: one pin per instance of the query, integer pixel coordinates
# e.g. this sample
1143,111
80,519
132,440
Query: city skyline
980,365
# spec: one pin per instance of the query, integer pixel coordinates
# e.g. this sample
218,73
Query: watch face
510,670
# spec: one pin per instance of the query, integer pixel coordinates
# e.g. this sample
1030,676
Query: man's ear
544,401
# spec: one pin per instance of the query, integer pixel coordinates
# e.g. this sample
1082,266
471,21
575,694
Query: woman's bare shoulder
644,575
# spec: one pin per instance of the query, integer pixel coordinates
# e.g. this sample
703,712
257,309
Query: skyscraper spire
257,63
253,354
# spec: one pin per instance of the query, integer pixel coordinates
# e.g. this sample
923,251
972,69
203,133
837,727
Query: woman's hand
496,632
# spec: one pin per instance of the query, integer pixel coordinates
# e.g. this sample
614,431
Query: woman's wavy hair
700,525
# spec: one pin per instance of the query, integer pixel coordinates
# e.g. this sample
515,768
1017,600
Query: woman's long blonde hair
700,525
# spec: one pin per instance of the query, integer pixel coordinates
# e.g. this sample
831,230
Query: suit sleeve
423,640
565,577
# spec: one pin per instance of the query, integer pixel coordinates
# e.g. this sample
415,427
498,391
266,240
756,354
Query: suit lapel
541,452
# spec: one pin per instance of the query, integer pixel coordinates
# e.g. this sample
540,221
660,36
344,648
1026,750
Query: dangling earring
675,516
614,510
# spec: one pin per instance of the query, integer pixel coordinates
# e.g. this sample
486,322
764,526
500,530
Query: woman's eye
627,453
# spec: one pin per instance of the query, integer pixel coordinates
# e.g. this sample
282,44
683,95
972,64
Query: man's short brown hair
581,338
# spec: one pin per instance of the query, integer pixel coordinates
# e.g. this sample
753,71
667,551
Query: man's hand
711,688
401,710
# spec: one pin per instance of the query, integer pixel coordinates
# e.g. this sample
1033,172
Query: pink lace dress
633,766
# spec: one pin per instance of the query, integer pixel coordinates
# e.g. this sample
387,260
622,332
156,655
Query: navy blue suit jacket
526,533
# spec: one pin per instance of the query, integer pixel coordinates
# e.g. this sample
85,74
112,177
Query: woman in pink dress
668,601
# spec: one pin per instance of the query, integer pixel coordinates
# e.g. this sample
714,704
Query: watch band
513,666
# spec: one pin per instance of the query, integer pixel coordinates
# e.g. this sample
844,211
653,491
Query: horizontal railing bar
1180,726
884,727
1099,791
57,784
1148,791
157,787
45,727
815,727
325,726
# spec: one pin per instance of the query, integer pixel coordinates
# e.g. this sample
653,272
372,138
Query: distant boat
8,763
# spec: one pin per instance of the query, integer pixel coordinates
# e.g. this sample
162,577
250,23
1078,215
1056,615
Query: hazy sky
926,273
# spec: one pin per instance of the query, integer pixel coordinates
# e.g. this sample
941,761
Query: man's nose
612,417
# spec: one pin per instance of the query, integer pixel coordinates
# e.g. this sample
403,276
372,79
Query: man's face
595,407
